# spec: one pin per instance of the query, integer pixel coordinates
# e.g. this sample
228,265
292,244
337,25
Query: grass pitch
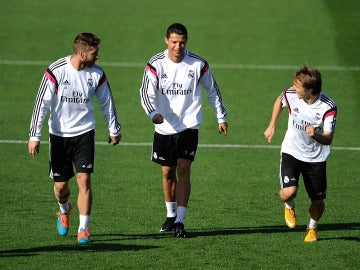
234,216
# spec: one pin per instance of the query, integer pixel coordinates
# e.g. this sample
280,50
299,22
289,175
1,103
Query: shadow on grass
101,241
276,229
236,231
92,247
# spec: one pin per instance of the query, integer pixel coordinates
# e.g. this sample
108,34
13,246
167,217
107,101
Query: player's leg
169,183
187,142
85,193
184,186
84,148
62,194
316,209
315,183
163,153
288,194
169,186
84,203
182,196
289,182
61,171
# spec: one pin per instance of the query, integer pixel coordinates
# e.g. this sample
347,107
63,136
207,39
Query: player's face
301,92
91,56
176,47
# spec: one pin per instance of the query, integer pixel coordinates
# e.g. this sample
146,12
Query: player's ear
82,54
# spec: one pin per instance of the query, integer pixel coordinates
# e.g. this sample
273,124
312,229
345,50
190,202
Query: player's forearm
277,109
325,139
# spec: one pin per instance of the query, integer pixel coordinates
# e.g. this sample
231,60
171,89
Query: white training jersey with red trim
321,115
68,94
174,90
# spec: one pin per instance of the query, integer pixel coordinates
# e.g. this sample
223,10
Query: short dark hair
85,40
310,79
178,29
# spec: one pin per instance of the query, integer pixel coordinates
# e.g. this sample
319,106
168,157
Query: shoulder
97,69
325,99
288,93
60,63
197,61
195,56
156,58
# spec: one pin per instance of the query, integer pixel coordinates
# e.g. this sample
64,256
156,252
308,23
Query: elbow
328,140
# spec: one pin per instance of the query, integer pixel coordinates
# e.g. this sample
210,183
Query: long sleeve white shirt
174,90
68,94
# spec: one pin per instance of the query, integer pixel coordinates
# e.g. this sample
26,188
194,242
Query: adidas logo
87,166
164,76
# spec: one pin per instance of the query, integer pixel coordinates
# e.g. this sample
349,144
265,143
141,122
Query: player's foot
180,231
168,224
310,235
84,236
290,217
62,223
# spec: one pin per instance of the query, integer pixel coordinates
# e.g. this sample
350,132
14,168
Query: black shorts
313,173
69,152
167,149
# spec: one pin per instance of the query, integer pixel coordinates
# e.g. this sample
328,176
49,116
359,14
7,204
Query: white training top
321,115
173,90
68,94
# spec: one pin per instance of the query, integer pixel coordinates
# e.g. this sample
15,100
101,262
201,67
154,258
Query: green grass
235,216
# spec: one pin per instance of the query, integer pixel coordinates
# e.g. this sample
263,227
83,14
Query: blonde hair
310,79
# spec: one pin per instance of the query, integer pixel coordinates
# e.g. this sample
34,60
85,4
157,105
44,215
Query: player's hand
269,133
223,127
158,119
310,131
34,148
115,139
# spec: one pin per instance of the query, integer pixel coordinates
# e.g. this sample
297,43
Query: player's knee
287,193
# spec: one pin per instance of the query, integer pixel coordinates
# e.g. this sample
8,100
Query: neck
176,59
311,99
76,63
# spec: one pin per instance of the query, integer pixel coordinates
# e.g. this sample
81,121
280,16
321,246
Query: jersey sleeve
330,120
107,106
284,96
48,87
150,85
213,94
283,100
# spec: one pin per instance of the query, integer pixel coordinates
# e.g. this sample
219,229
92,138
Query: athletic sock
290,204
181,213
170,209
64,207
312,223
84,222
